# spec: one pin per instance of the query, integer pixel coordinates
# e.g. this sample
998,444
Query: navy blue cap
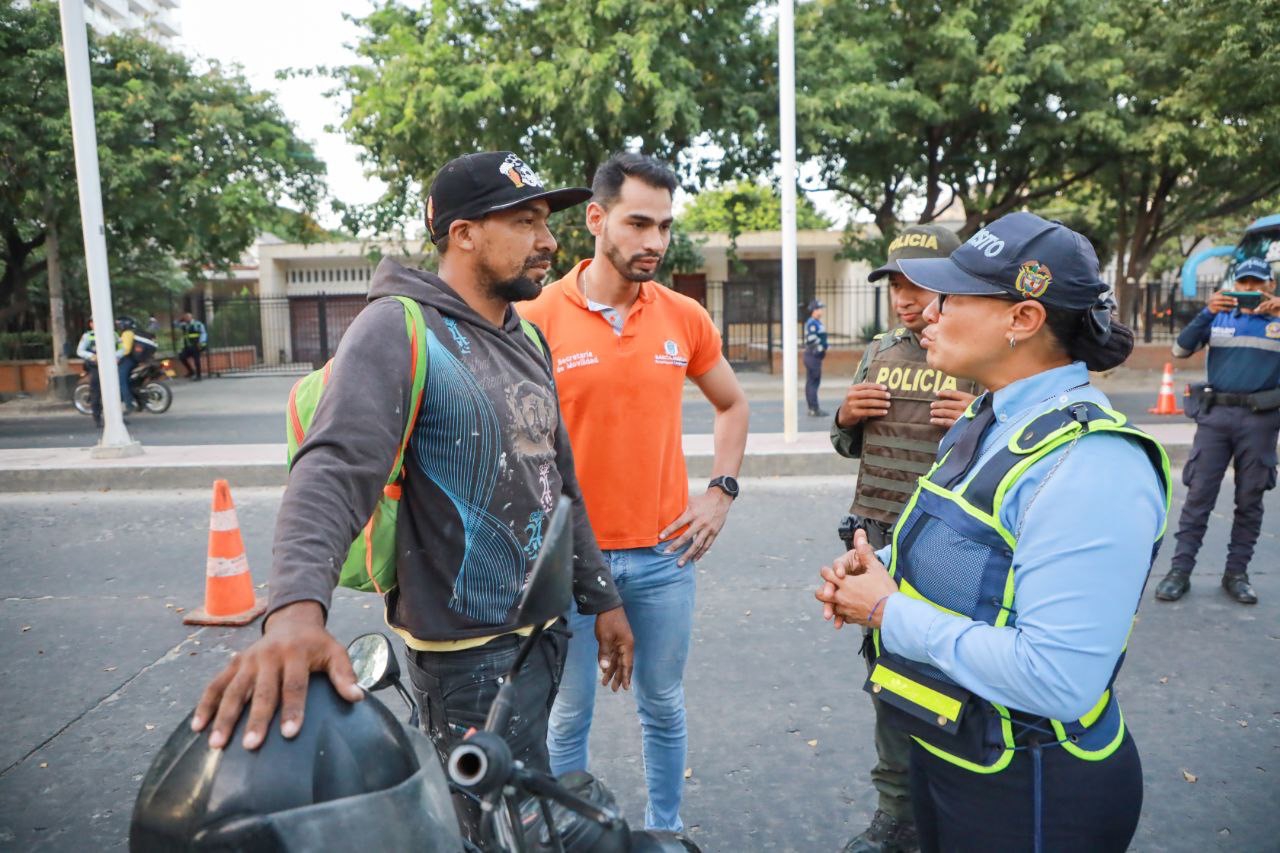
1253,268
1019,255
816,304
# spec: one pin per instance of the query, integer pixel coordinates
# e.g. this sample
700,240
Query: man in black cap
487,457
815,350
892,418
1237,415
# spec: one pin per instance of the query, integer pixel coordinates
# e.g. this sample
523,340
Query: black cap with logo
917,241
476,185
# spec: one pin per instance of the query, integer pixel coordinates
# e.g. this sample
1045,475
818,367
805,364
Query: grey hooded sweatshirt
488,457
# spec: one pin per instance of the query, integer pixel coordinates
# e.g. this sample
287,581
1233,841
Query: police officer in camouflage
1237,415
892,418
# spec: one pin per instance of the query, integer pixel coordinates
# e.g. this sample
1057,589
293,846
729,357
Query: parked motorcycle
524,809
314,792
148,382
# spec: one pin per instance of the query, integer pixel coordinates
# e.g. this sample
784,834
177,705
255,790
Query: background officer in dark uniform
815,350
893,417
1237,414
194,339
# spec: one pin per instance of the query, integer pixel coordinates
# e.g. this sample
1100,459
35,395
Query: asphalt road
251,411
98,669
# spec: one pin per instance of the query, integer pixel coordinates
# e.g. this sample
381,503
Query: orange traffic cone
1166,404
228,588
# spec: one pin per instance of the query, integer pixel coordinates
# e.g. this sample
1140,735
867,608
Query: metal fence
250,333
748,312
1161,311
278,333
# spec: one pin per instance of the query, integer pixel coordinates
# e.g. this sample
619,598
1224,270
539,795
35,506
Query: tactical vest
93,341
899,447
951,551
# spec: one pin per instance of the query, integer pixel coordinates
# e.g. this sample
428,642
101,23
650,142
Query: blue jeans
658,598
125,367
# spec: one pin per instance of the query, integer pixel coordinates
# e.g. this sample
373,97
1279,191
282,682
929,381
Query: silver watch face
728,485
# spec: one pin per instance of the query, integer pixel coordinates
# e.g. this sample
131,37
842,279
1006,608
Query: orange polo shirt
621,396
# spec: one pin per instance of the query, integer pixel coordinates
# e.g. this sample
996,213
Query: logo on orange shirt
671,355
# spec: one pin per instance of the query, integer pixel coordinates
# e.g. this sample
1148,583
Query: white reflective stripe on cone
223,519
221,567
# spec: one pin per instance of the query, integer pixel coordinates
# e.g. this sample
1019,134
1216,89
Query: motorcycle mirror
549,590
374,661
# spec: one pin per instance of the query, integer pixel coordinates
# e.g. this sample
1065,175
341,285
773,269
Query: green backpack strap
419,360
531,332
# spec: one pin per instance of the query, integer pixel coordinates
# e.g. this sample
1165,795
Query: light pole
115,439
787,115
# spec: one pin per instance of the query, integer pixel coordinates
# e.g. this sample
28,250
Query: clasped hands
855,585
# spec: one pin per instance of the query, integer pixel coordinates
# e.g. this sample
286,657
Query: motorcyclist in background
87,349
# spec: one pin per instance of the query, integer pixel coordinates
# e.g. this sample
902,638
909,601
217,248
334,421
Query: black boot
1237,586
1173,586
886,834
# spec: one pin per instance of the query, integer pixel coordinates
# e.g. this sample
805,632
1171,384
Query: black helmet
126,323
352,777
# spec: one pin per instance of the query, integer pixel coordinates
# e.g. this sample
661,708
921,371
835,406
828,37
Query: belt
1222,398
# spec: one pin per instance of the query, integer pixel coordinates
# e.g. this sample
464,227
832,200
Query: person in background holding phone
1237,415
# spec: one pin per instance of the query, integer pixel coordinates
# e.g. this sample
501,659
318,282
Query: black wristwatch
726,484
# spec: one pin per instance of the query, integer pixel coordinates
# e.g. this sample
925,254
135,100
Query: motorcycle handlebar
482,764
542,785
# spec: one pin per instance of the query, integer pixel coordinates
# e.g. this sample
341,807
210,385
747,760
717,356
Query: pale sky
266,36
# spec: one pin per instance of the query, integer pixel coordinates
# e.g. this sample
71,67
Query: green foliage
236,322
742,206
996,103
295,226
562,82
1201,127
192,163
683,255
22,345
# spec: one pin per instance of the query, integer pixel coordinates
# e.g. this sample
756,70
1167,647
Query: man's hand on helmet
274,671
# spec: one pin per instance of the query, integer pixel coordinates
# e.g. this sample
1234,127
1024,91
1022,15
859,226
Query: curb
161,467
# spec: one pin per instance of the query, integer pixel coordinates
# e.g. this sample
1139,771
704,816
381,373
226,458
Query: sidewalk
176,467
217,395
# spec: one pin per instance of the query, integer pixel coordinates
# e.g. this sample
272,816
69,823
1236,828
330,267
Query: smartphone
1246,298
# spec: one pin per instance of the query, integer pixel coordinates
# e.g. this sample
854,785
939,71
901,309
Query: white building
154,19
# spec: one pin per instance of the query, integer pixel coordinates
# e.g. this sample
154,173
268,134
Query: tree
191,163
740,207
562,82
1201,123
997,104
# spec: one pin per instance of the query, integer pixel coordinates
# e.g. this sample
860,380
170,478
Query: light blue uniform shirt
1083,553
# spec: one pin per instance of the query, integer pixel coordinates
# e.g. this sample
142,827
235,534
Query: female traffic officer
1015,571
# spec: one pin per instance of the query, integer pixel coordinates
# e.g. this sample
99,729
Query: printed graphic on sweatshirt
458,444
544,481
533,412
533,534
464,345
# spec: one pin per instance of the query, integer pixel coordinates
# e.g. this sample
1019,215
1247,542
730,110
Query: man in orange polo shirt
621,347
